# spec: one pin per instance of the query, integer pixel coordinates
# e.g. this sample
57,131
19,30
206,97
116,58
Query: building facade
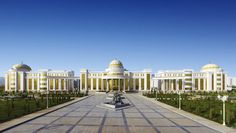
115,78
210,78
21,78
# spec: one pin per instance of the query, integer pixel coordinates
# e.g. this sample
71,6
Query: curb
21,120
203,121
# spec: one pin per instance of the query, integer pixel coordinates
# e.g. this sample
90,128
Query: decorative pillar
102,85
128,84
27,82
183,85
32,82
177,85
91,83
134,84
65,86
119,84
59,84
145,82
107,85
97,84
38,83
199,84
124,85
48,85
140,85
54,84
163,85
16,81
204,85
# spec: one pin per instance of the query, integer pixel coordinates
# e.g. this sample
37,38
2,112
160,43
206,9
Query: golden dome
210,67
116,63
115,68
21,67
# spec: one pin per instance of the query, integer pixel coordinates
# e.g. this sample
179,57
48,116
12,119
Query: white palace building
211,78
21,78
115,77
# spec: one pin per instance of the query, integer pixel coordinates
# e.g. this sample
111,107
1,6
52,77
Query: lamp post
179,100
47,98
47,93
223,99
156,93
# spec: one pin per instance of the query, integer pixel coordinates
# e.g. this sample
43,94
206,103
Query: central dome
115,68
211,68
116,63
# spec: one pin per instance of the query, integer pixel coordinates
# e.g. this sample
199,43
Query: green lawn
13,108
203,104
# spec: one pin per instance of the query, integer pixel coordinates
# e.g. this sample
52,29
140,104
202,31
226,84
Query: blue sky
155,34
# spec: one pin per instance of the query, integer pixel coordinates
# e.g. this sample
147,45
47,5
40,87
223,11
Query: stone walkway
85,117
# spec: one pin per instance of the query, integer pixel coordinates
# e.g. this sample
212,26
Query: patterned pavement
85,117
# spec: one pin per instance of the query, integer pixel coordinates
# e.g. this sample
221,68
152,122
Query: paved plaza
85,117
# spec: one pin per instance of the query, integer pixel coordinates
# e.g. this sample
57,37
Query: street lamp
179,93
47,98
223,99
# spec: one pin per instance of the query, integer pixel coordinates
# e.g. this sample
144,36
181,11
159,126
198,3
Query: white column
27,82
221,81
38,83
86,81
59,84
163,85
54,84
124,85
48,84
16,81
134,84
199,84
169,84
177,85
102,85
128,84
22,87
225,80
97,84
119,84
209,83
107,85
204,85
172,84
112,82
183,84
80,82
32,84
140,84
215,81
193,84
91,83
145,82
65,84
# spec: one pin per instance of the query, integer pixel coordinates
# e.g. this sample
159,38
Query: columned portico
115,78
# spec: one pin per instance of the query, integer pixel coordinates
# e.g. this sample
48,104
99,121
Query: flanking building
115,78
21,78
211,78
